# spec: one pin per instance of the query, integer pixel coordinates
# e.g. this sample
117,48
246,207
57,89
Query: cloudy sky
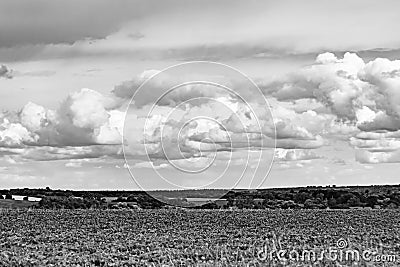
329,71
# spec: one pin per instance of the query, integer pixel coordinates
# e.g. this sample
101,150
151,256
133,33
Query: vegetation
372,197
189,237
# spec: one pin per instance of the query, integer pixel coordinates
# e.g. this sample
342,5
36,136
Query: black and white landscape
199,133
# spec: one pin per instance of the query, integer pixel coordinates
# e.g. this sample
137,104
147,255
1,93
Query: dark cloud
53,22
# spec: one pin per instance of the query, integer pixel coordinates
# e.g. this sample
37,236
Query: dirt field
199,237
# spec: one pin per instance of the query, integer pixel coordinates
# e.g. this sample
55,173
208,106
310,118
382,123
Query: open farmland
192,237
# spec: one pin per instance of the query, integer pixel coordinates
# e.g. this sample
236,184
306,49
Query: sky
315,94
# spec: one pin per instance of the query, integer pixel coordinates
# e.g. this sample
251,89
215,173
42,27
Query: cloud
46,23
73,164
285,131
150,165
376,144
361,99
38,73
128,88
33,117
384,76
332,99
349,87
364,156
87,108
5,72
85,118
295,154
51,153
166,89
331,81
14,134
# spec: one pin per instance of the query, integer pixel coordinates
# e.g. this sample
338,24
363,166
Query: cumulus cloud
14,134
331,81
365,156
52,153
164,89
295,154
5,72
334,98
73,164
85,118
34,117
365,93
384,76
361,100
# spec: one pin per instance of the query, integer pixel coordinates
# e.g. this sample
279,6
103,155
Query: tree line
282,198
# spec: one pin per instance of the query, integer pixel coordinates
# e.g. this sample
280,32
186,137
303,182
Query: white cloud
87,108
330,81
14,134
73,164
350,99
364,156
295,154
33,117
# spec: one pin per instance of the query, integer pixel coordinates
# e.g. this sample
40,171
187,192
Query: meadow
197,237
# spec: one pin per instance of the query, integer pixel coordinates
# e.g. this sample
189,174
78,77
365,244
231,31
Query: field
15,204
198,237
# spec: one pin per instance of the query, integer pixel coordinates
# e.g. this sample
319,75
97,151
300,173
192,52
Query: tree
131,198
354,201
332,203
301,197
8,196
309,204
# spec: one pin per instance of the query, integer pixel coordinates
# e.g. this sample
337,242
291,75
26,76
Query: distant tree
25,198
372,200
120,199
1,196
268,195
354,202
344,198
309,204
332,203
210,205
301,197
315,204
8,196
320,196
131,198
